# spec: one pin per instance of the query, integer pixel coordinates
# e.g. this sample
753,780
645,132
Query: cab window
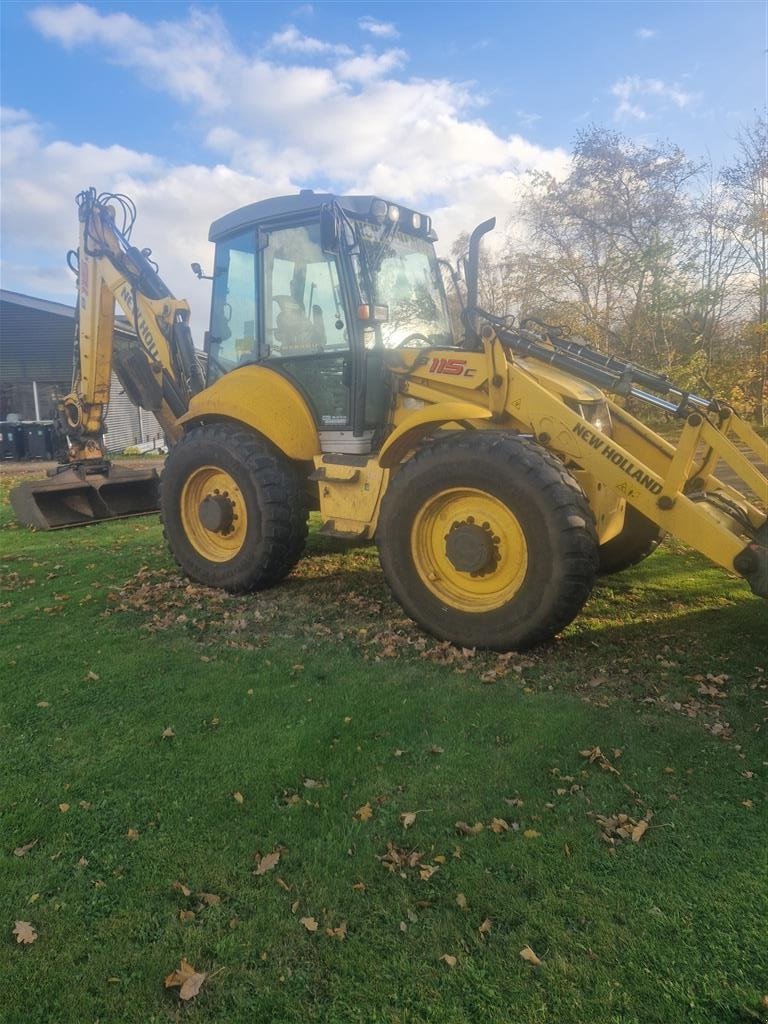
303,310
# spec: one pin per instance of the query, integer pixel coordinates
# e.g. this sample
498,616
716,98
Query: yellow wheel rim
469,549
213,514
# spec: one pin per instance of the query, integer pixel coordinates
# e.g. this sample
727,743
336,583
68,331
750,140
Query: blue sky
447,106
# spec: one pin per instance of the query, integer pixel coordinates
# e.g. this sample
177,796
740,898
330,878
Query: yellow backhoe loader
495,473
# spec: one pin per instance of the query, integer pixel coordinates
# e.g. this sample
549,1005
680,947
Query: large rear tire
639,537
487,541
233,508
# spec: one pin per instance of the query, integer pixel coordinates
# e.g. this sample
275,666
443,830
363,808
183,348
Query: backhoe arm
157,367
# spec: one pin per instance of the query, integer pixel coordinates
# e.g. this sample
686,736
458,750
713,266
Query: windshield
400,271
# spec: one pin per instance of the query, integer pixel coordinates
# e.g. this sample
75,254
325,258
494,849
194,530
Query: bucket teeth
75,497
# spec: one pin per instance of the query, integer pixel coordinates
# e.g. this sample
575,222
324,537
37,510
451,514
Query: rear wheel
487,541
639,537
233,508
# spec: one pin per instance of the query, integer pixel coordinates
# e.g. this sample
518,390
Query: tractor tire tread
282,504
560,493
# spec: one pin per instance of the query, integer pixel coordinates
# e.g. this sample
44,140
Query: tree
617,232
746,184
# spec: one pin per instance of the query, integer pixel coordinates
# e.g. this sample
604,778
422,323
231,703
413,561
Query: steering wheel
416,336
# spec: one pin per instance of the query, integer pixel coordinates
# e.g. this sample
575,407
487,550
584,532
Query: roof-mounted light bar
409,220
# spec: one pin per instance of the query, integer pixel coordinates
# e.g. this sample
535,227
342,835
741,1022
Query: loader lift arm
672,485
156,366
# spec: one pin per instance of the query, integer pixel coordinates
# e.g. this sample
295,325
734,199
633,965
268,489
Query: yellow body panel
265,401
350,496
419,423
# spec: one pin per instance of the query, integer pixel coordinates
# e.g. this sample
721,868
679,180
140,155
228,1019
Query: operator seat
294,331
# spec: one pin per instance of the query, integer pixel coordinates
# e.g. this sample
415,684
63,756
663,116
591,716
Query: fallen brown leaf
485,927
22,851
183,889
25,933
407,818
238,798
339,933
132,833
461,900
498,825
92,676
426,872
359,886
309,923
267,862
639,830
469,830
451,961
186,915
397,859
527,954
63,808
314,784
186,979
531,833
210,899
364,813
167,733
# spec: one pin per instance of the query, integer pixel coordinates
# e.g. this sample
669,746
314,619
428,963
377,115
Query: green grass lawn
318,698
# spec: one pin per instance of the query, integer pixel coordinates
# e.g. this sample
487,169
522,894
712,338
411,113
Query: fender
423,422
264,400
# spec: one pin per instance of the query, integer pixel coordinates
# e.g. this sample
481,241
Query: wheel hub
472,548
216,512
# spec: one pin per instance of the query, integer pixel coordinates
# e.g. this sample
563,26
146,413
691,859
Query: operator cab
323,289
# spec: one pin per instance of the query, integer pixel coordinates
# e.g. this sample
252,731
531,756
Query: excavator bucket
81,495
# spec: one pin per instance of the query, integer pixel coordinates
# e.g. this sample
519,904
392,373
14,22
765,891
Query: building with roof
37,340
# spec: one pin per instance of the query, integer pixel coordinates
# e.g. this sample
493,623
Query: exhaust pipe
82,494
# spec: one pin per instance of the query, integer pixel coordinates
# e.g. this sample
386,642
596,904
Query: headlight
599,415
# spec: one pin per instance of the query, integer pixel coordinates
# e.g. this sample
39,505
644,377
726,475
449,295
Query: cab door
306,336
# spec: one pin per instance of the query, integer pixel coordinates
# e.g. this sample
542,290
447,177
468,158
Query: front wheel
487,541
232,507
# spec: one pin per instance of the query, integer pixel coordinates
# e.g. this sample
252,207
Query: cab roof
282,206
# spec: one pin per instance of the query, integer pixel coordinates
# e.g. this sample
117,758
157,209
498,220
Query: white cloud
175,208
632,89
369,65
293,41
645,33
269,126
381,29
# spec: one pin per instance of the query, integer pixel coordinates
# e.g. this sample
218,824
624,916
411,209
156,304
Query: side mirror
329,229
197,270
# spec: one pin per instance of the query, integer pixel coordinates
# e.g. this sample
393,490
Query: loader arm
156,366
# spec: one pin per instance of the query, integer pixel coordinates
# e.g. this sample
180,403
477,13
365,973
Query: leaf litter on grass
341,597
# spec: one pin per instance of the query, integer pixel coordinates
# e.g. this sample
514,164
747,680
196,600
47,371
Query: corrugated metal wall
126,426
37,344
